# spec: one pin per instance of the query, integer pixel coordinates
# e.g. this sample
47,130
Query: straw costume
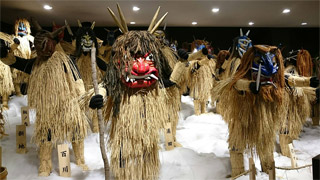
254,104
136,104
84,39
300,100
25,50
54,88
173,101
200,82
11,81
6,84
196,74
227,68
222,56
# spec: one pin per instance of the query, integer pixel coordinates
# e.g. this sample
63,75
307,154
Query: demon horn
247,34
79,23
116,20
122,19
92,26
158,23
154,19
241,33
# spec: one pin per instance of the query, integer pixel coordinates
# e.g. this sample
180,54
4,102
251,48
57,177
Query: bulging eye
150,57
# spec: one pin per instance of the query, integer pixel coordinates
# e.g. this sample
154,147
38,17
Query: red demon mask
143,72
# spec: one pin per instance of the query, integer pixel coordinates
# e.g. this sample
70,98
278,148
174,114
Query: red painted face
143,72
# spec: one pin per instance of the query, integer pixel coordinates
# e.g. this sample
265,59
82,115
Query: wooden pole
272,172
99,111
252,169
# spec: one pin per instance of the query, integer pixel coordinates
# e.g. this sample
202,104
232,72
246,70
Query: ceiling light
304,23
135,8
251,23
47,7
215,10
194,23
285,11
132,22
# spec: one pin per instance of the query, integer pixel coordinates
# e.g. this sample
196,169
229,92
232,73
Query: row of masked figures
258,93
141,82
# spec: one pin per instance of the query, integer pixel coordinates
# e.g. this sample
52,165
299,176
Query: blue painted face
22,29
268,64
244,43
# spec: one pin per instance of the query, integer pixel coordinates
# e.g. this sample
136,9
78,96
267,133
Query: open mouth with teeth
264,80
86,48
143,72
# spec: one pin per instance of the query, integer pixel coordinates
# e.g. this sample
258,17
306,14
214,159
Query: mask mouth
264,80
22,33
86,48
143,73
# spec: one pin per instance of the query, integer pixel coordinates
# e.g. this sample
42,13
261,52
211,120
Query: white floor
204,154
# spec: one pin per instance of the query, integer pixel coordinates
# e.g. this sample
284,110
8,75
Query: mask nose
140,66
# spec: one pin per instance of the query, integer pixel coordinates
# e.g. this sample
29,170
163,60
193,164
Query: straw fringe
254,120
23,51
52,92
6,84
169,56
173,104
298,102
304,63
200,82
230,67
69,48
84,65
134,135
251,124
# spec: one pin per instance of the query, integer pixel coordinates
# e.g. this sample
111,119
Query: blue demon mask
22,29
268,64
244,43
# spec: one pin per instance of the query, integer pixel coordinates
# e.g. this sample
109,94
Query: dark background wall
221,37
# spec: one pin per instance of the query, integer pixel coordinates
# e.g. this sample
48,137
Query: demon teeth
127,80
148,78
154,77
132,80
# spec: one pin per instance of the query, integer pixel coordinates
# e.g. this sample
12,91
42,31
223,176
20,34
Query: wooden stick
252,168
291,168
272,172
99,111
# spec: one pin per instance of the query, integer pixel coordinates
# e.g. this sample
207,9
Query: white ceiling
181,13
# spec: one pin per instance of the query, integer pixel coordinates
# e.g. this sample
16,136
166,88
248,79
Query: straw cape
62,92
24,51
6,84
136,114
254,120
173,101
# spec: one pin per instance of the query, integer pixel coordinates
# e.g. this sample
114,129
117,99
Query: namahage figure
254,104
54,88
136,102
